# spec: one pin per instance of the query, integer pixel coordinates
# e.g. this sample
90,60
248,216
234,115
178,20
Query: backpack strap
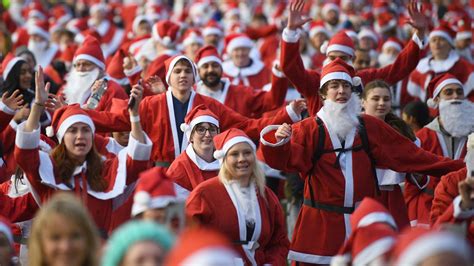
316,155
365,145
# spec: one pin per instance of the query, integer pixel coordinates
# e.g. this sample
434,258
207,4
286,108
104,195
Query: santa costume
343,175
253,221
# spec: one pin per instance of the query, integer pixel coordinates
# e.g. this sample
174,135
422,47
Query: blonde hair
257,174
72,210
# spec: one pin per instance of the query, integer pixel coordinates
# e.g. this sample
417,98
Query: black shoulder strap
365,145
316,155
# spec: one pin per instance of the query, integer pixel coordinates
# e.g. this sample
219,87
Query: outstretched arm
41,96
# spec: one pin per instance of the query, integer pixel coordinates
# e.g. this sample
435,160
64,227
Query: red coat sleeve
198,210
257,33
4,120
404,64
18,209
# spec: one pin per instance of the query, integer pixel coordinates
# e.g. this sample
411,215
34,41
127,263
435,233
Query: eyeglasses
213,130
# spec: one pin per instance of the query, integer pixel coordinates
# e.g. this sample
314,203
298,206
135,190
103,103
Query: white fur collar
429,64
233,71
46,57
199,162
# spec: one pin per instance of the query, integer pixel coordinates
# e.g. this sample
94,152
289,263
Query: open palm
418,20
295,17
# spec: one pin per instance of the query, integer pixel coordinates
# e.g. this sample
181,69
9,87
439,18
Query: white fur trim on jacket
139,151
27,140
269,129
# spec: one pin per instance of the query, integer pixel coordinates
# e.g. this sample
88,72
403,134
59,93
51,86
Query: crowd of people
273,132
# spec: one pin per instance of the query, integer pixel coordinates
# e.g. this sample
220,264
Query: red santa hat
35,10
385,22
192,36
139,19
339,42
65,117
464,29
444,31
91,51
330,7
393,43
77,25
417,244
227,139
380,6
39,27
318,27
8,63
368,33
237,40
369,212
207,54
68,54
165,32
171,62
98,7
212,28
60,14
199,114
365,244
154,190
437,84
340,70
115,68
201,246
5,228
232,10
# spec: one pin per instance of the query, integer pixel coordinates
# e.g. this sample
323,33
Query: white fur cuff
269,129
421,43
291,113
27,140
290,36
6,109
458,212
139,151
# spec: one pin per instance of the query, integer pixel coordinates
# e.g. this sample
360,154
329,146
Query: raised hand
466,188
155,84
418,20
283,132
137,93
14,101
41,91
295,16
129,62
55,102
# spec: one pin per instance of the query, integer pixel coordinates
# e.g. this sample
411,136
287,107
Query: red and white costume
111,36
256,75
41,170
46,56
307,81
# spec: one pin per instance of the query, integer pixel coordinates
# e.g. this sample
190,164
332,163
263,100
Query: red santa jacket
188,170
158,120
120,172
419,197
215,205
256,75
446,208
337,190
248,101
307,81
427,69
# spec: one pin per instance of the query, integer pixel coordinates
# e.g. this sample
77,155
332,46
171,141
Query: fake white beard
78,85
456,117
327,61
342,117
37,48
386,59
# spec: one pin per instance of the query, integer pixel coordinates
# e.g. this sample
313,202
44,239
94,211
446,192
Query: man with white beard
446,136
89,67
39,43
337,153
341,46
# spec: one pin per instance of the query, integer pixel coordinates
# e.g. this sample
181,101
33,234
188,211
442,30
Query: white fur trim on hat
341,260
330,6
242,41
33,29
392,44
193,39
341,48
369,34
381,29
187,129
443,34
213,255
335,75
68,122
208,59
443,84
10,65
173,64
220,154
374,250
212,31
142,201
464,35
139,19
94,60
319,29
433,243
377,217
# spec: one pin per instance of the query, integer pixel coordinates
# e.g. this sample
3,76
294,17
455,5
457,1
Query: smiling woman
237,203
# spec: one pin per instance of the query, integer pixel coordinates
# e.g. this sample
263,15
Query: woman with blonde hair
238,204
63,233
